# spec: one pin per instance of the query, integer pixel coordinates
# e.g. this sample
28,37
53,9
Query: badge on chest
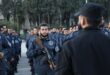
51,43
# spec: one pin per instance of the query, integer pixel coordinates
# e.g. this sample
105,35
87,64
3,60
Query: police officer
30,38
88,53
16,49
4,67
10,59
41,62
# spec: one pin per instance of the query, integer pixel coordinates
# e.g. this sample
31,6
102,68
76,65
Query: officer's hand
40,51
12,59
43,50
1,55
52,66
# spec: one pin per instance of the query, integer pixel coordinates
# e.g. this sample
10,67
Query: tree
53,12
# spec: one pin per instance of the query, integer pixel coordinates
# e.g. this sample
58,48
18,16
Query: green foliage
54,12
8,24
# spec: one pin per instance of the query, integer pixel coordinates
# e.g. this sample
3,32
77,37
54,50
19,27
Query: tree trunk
27,23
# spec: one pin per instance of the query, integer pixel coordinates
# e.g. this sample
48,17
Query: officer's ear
83,21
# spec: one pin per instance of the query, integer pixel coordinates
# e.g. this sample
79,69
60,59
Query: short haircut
43,24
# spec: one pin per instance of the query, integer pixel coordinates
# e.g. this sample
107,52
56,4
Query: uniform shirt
3,48
87,54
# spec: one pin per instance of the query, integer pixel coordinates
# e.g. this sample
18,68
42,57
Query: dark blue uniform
41,64
61,38
11,53
106,31
4,67
29,41
16,44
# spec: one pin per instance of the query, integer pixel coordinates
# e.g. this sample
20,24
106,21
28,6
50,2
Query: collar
91,28
44,38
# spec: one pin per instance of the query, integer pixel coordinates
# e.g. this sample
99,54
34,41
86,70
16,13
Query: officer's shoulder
68,43
3,36
68,47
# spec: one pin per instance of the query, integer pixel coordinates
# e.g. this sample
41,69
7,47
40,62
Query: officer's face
44,30
9,31
54,30
65,32
34,30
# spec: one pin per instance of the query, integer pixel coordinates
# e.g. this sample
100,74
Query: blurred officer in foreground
89,52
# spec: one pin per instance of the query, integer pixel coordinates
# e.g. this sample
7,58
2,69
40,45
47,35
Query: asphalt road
23,66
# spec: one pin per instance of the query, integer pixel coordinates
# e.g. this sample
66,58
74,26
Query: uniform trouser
43,70
32,69
31,65
11,70
3,72
16,62
20,53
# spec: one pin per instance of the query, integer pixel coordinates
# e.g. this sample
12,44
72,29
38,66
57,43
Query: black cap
91,11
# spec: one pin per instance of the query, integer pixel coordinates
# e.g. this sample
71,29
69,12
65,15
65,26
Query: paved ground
23,66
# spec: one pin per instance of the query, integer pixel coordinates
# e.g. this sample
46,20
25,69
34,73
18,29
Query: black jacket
87,54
